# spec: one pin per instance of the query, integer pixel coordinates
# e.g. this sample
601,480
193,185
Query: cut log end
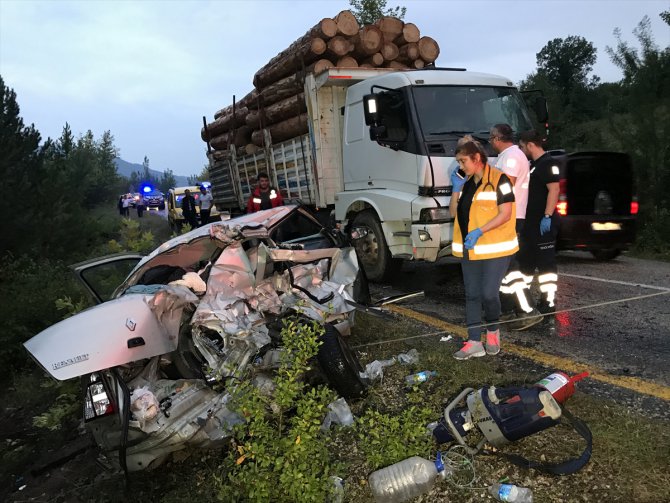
346,23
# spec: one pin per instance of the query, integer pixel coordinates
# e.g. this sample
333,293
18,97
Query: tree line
632,115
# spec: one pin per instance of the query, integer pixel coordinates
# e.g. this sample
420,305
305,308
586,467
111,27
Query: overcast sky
149,70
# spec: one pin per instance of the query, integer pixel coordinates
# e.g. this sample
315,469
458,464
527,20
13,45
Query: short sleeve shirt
513,162
205,201
504,194
543,170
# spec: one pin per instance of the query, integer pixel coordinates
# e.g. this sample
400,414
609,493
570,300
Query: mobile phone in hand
460,174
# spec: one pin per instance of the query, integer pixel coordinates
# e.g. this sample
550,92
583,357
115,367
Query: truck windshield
458,110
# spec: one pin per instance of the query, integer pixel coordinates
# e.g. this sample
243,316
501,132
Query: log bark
220,142
278,112
408,52
339,46
347,62
428,49
281,131
391,25
225,123
374,60
289,60
346,23
368,41
280,90
395,65
244,102
320,66
410,34
389,51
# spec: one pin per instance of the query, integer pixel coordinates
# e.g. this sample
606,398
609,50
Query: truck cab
397,169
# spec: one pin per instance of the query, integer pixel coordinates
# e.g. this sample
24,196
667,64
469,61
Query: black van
597,204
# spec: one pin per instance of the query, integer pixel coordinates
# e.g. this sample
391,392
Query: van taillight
562,205
634,206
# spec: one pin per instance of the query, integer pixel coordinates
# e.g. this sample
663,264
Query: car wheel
373,252
186,357
607,254
340,365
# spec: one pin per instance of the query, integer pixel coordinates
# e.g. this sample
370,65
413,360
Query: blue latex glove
545,225
471,239
457,182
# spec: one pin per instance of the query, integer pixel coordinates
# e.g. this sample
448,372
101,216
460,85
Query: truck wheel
605,255
373,253
340,365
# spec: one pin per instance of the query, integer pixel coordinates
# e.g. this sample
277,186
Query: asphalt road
605,324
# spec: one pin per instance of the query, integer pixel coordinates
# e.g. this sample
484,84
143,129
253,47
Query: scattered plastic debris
409,358
373,370
339,413
446,338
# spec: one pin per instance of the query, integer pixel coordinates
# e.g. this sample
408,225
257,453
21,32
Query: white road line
626,283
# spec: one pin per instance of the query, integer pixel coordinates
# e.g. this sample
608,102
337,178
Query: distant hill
125,168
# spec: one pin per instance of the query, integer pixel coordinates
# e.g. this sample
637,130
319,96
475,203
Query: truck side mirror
370,109
540,108
377,132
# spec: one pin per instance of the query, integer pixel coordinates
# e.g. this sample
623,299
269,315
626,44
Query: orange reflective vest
498,242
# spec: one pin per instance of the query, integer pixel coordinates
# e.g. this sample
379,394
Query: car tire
606,254
186,358
372,251
340,365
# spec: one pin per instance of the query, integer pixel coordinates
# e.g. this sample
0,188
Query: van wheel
605,255
340,365
372,250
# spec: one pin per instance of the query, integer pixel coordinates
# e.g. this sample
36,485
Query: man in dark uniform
188,209
541,227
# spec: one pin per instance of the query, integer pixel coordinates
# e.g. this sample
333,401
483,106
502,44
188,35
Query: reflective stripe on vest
257,200
273,194
549,277
457,247
487,196
496,247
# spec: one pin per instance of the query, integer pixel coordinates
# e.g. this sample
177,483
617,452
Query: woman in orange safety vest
482,203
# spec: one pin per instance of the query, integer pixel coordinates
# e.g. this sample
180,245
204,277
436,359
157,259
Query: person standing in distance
541,228
188,209
205,203
513,290
482,204
264,196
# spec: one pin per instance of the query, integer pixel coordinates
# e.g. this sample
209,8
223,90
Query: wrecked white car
200,309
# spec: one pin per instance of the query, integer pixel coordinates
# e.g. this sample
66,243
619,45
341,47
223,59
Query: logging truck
375,146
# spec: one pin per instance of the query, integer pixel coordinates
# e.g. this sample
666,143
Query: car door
102,276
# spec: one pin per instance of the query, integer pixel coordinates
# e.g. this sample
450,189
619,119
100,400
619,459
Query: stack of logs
277,103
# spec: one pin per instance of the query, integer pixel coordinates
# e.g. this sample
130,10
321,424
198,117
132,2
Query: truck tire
606,254
372,250
340,365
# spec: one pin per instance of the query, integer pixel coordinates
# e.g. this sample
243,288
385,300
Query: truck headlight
434,214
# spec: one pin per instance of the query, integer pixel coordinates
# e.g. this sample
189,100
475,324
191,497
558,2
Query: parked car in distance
597,202
154,199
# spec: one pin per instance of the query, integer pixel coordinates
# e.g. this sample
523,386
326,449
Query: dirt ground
630,461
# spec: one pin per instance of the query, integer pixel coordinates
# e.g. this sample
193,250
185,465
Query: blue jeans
482,280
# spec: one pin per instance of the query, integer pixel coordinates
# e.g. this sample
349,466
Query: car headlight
434,214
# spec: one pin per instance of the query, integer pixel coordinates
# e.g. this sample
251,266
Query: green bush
29,289
279,453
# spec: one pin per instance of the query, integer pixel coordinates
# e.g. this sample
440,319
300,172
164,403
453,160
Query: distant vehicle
597,204
175,216
154,199
134,199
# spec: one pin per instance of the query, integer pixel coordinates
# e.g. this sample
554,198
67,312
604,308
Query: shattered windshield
458,110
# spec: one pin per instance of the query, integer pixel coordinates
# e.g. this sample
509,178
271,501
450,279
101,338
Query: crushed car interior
198,312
